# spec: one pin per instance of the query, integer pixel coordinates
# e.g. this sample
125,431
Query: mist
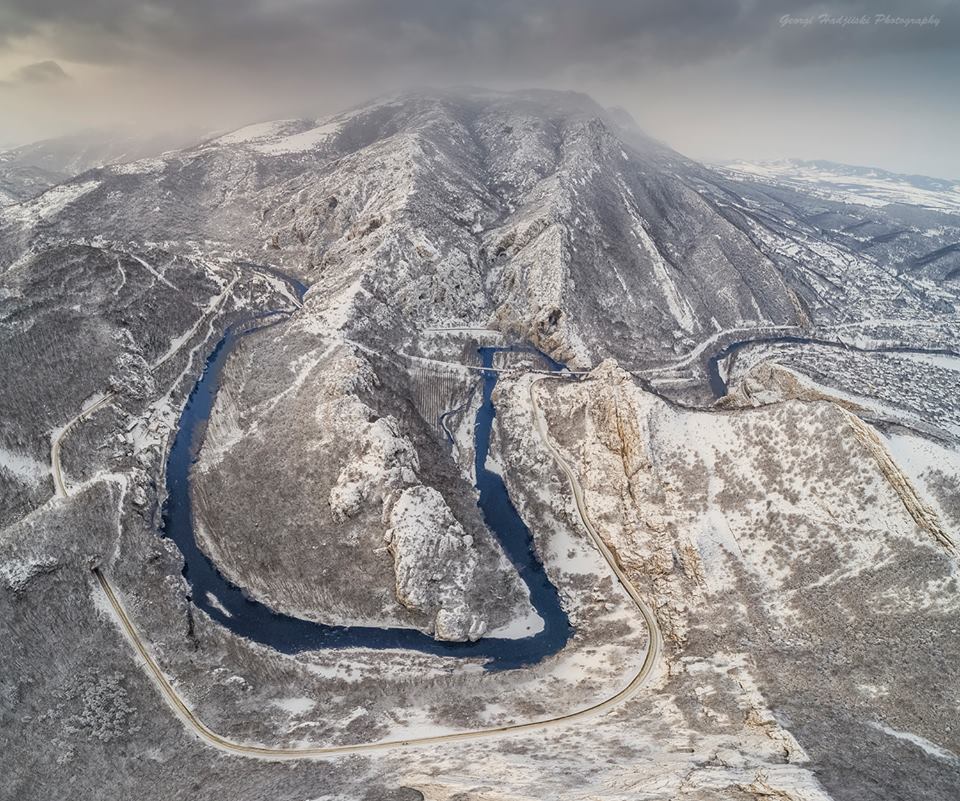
722,80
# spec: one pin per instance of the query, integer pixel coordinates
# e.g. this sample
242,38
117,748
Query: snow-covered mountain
868,186
30,169
745,496
537,213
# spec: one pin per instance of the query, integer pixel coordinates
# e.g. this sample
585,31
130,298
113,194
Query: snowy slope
537,213
866,186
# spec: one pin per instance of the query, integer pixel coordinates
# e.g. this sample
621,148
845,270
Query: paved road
204,732
189,718
59,483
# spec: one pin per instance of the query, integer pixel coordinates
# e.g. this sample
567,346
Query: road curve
205,733
60,486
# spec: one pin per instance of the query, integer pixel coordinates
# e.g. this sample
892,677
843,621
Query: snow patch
300,142
141,167
295,706
256,132
50,203
24,467
677,304
865,189
215,603
16,573
922,743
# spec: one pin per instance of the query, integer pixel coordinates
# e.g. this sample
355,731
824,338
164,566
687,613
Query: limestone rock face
435,562
768,383
387,463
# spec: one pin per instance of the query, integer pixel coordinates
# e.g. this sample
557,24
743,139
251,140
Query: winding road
189,718
205,733
59,483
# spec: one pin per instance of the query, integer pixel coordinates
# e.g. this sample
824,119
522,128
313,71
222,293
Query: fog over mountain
723,80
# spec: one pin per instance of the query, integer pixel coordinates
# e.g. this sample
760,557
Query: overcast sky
716,79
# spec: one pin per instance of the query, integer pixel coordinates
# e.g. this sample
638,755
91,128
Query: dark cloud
37,74
490,36
752,63
40,72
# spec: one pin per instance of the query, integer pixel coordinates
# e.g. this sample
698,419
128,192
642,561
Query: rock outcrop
435,562
387,463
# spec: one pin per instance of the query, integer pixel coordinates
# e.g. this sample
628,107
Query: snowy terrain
793,541
860,185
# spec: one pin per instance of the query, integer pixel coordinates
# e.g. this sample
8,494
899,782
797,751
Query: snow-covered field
783,544
862,186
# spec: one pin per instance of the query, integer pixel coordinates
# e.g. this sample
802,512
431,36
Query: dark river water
231,607
228,605
718,384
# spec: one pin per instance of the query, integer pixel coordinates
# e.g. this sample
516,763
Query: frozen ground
793,542
860,185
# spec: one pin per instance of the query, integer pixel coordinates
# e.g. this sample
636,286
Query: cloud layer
237,56
499,36
40,72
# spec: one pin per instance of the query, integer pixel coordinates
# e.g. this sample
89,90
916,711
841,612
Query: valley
474,445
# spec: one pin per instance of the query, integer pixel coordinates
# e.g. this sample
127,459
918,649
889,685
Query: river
718,383
229,606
